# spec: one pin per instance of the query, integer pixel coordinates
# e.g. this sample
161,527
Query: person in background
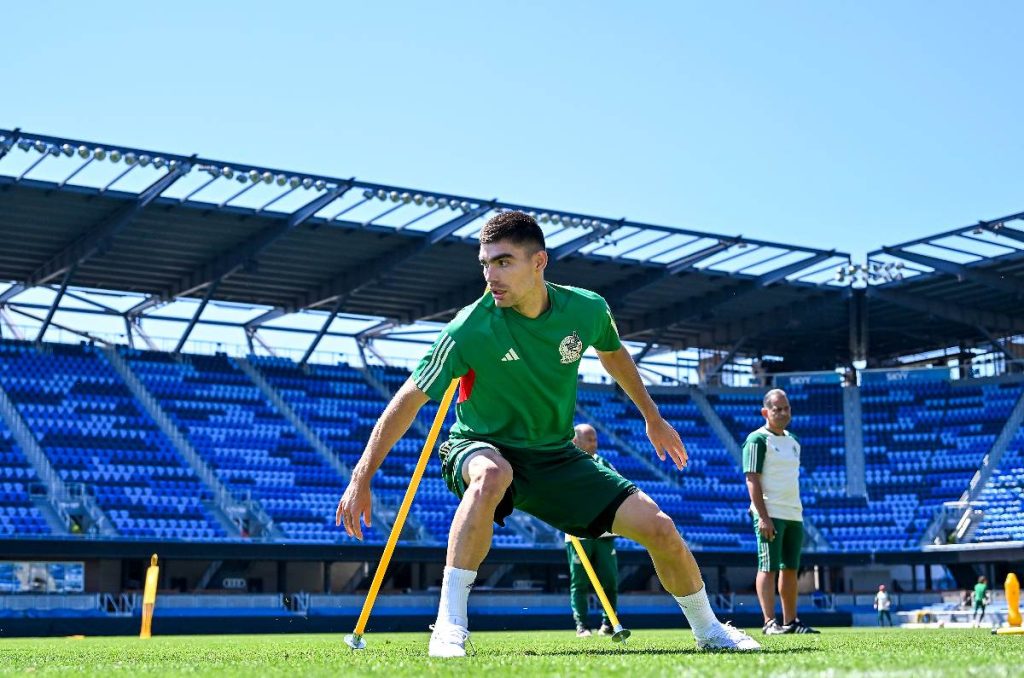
981,599
882,603
771,464
600,551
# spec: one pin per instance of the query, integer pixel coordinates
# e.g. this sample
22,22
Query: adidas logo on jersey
510,356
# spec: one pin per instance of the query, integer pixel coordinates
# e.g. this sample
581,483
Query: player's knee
490,483
662,533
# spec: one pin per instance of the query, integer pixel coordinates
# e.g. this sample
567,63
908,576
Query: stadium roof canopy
963,287
80,215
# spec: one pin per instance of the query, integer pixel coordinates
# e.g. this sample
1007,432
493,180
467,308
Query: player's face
511,271
778,413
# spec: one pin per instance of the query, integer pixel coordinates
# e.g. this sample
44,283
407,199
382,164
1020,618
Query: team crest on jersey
571,348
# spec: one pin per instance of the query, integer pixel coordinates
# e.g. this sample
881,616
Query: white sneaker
448,640
727,637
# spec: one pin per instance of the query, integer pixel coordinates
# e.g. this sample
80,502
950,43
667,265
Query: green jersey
518,375
980,591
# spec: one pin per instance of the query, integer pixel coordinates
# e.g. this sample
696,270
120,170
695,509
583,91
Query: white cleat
728,637
448,640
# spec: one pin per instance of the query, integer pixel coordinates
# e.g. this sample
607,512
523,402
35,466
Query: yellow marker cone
1012,588
355,639
149,597
619,634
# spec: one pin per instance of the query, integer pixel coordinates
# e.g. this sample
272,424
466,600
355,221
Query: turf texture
521,654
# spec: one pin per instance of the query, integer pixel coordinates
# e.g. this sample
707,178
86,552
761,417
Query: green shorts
783,552
565,488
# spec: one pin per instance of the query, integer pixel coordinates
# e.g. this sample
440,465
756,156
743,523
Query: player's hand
356,503
666,441
767,528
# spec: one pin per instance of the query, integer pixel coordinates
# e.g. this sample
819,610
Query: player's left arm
619,364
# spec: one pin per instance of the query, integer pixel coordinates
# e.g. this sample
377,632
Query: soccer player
771,463
516,351
600,552
981,598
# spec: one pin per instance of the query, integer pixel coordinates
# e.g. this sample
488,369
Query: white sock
697,609
455,586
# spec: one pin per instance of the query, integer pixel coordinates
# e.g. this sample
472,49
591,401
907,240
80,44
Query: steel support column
195,317
56,302
323,330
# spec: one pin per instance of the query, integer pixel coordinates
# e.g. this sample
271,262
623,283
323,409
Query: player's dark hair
519,228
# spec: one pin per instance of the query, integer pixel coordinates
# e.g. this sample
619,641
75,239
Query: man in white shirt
771,463
882,603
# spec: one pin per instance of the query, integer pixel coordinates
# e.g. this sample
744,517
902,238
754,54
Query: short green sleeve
753,453
439,366
606,338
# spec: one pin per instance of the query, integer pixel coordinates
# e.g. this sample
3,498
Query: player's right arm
764,521
357,502
754,452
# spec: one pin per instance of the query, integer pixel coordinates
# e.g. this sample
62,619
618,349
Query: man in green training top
516,352
771,462
600,552
981,598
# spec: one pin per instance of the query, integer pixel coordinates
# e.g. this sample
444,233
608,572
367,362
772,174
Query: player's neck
776,431
535,303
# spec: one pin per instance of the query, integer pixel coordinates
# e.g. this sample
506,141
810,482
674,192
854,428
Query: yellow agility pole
149,598
619,634
355,639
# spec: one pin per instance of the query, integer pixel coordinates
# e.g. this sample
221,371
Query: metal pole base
620,634
356,642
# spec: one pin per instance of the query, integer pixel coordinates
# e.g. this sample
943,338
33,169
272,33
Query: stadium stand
1003,498
253,450
18,516
96,436
916,430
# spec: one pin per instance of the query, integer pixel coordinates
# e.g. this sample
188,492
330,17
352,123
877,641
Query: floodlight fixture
382,194
115,156
430,201
40,146
99,154
320,185
544,217
68,149
281,179
24,144
159,162
307,183
405,198
417,199
83,152
254,176
144,160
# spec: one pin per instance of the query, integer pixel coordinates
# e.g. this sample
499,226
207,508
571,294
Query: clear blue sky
829,124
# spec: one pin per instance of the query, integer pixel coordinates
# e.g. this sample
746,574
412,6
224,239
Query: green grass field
549,653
